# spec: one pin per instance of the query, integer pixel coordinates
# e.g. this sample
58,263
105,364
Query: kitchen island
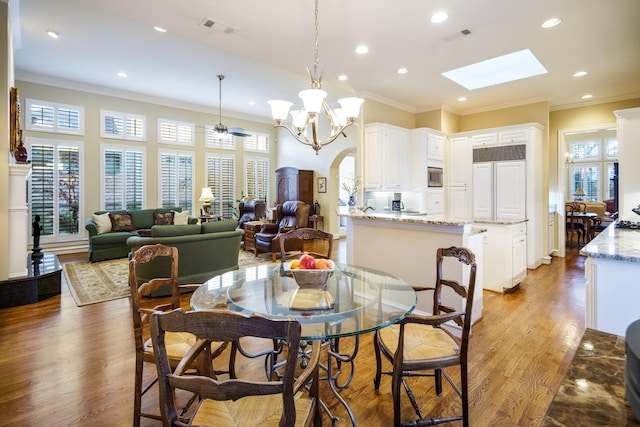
405,246
612,288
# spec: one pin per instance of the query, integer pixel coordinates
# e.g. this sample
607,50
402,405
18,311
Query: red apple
307,262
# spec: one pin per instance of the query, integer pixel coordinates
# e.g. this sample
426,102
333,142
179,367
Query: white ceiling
266,55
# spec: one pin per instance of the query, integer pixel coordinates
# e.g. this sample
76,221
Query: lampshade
279,109
579,193
206,195
312,99
350,107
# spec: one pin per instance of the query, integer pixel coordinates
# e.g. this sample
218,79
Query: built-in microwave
434,177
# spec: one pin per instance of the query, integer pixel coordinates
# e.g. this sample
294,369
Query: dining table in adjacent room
353,301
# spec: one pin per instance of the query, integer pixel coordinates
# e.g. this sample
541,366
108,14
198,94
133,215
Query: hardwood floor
66,365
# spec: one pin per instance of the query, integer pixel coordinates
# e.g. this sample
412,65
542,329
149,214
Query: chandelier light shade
304,122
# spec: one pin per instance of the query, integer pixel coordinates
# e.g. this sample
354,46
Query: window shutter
42,115
176,180
221,179
113,180
257,142
135,179
174,132
42,186
256,177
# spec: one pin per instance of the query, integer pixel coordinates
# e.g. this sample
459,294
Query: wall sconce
568,159
206,196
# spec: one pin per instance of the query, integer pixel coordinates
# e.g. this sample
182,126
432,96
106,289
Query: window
221,170
257,142
590,161
123,126
215,140
174,132
176,179
122,177
256,177
55,187
52,117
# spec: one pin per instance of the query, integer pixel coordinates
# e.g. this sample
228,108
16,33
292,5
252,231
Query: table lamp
206,196
579,194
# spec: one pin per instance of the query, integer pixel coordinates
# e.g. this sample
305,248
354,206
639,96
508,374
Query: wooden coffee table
249,240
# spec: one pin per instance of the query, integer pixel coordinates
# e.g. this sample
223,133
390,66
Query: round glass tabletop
353,300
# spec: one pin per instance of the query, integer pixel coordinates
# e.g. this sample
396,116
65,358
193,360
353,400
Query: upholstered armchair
251,210
289,216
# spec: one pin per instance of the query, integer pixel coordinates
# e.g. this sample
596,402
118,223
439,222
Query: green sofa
204,251
113,244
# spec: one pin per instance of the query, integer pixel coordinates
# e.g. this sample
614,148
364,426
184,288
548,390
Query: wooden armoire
294,184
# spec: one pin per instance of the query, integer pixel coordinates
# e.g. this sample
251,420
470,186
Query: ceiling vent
218,26
457,35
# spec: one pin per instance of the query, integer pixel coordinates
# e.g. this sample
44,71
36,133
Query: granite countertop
592,392
404,217
615,244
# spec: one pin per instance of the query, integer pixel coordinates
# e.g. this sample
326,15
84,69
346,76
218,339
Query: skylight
498,70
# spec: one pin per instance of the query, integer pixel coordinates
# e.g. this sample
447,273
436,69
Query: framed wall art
322,184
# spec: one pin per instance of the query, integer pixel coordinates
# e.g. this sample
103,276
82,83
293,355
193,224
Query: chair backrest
322,243
292,214
138,288
467,257
251,210
222,325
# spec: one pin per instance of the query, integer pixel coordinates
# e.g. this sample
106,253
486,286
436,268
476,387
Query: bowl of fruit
310,272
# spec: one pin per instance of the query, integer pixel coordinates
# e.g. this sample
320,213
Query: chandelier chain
315,57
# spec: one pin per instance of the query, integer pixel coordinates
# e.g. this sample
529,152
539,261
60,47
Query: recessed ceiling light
361,50
580,74
53,34
462,99
159,29
122,74
587,96
252,102
550,23
343,77
502,69
439,17
402,71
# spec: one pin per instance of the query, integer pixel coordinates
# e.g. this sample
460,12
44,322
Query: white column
628,155
18,219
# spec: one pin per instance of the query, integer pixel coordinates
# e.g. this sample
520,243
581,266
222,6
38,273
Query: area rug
94,282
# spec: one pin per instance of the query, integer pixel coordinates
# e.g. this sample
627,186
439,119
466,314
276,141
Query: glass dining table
354,300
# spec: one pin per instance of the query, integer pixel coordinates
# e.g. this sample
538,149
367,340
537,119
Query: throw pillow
103,222
162,218
121,222
180,218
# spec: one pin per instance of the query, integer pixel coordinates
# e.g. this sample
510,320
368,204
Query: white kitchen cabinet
459,174
484,139
513,136
510,190
386,158
435,201
435,148
483,180
505,255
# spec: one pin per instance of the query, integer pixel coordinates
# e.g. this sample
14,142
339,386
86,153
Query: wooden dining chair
313,241
574,226
142,307
242,401
423,345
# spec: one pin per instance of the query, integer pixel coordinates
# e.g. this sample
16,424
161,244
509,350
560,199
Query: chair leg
438,379
464,388
137,399
396,381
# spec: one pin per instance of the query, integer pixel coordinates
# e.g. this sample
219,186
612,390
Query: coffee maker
396,203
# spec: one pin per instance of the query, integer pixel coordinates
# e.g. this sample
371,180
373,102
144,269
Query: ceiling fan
222,129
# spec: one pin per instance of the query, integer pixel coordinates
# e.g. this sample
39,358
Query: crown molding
387,101
131,96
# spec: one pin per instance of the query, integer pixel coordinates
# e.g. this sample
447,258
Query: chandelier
304,122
